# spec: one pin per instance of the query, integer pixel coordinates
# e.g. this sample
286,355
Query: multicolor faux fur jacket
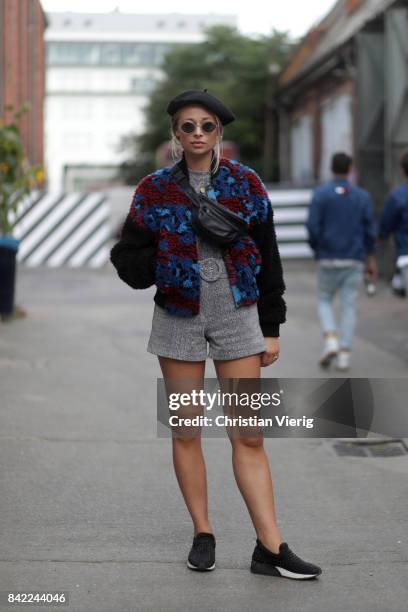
158,244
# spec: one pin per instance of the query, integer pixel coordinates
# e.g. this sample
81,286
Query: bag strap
195,197
184,183
189,191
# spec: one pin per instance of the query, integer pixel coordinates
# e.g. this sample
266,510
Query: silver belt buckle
210,269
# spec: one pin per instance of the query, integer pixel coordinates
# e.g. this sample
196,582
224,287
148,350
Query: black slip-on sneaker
285,564
202,553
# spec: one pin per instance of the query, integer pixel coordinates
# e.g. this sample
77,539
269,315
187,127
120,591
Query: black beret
202,97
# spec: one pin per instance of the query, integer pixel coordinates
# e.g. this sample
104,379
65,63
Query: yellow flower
39,176
3,167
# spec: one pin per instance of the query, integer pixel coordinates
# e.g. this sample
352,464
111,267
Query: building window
336,131
131,55
73,53
142,86
301,146
160,51
106,54
146,51
111,54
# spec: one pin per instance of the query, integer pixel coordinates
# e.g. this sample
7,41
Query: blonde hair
177,149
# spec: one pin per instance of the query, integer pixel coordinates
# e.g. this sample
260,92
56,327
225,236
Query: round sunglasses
188,127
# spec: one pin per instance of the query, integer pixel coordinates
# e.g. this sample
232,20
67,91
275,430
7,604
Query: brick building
22,66
346,88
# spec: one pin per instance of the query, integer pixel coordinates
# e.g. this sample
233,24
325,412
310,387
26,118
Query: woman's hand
272,352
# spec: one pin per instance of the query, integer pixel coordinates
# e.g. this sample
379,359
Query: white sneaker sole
325,361
200,569
287,574
277,571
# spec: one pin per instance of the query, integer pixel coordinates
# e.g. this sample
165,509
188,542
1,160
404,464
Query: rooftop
132,22
340,24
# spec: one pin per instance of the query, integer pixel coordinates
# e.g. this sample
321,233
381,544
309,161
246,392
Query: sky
255,17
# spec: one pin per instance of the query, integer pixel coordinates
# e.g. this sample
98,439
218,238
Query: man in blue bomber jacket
394,220
342,234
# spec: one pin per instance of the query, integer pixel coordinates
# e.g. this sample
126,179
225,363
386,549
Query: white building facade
101,68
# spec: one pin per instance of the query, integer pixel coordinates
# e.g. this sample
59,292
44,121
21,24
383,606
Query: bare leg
188,459
250,462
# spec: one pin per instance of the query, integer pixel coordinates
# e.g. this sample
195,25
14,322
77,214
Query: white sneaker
343,360
331,348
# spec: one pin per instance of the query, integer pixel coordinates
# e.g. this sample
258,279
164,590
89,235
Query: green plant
240,70
17,176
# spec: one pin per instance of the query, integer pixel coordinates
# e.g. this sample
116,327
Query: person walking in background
341,232
394,220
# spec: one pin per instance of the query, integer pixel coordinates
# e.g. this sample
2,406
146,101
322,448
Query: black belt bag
210,219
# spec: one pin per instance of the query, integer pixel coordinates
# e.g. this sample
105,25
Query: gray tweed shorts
229,331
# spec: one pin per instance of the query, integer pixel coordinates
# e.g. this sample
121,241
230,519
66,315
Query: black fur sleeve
271,285
134,256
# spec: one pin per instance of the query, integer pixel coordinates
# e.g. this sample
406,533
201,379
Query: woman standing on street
230,297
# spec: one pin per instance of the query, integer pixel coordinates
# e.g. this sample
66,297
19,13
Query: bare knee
187,441
246,442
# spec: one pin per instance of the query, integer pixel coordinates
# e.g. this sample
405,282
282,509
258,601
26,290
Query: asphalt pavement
89,501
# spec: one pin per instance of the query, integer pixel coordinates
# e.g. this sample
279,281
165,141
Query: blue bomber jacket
157,244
